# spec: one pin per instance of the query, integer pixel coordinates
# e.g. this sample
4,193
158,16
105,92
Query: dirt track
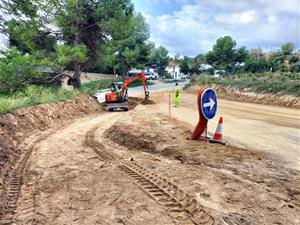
270,129
83,174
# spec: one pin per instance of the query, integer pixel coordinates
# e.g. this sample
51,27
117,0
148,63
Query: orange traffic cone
218,135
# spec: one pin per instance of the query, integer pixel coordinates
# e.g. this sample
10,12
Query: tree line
226,56
91,35
107,37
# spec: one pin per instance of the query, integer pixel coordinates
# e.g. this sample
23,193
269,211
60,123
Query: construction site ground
137,168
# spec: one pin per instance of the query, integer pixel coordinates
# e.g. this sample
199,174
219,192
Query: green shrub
261,82
295,68
33,95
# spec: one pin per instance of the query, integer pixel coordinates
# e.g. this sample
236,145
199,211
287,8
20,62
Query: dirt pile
21,123
146,139
248,95
132,136
147,102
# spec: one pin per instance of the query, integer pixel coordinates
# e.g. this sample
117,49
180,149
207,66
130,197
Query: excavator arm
132,79
113,97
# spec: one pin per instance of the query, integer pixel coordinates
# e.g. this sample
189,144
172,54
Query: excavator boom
132,79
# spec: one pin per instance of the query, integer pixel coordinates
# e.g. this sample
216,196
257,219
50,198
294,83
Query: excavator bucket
147,95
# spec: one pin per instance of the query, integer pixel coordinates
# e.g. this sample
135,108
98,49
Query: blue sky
190,27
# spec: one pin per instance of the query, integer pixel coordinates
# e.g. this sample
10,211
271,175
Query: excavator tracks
97,147
18,201
179,204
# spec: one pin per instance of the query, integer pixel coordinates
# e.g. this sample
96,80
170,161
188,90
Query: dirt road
271,129
137,168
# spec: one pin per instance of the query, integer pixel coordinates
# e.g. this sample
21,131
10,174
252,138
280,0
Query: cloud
254,23
243,17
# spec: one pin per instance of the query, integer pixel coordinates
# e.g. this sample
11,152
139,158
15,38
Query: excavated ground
237,185
248,95
138,168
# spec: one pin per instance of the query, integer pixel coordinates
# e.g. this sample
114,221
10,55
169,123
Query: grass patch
33,95
266,82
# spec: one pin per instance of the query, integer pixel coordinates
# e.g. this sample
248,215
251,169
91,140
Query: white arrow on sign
210,104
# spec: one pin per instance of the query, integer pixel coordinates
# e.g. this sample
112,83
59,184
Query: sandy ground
137,168
271,129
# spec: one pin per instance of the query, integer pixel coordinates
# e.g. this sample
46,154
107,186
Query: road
138,91
270,129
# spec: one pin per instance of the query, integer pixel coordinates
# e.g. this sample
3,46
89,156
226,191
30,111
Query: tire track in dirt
18,202
178,204
98,147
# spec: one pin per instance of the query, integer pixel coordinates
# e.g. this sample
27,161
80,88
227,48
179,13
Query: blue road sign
209,103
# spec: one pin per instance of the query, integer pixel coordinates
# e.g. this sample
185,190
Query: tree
160,58
257,66
26,24
222,54
91,23
184,65
287,49
225,55
241,55
133,51
196,63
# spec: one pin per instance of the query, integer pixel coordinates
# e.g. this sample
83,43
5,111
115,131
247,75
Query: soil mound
21,123
248,95
132,136
147,102
144,138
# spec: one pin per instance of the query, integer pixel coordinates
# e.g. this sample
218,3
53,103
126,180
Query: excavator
118,97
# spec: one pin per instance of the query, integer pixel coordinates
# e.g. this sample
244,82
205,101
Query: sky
191,27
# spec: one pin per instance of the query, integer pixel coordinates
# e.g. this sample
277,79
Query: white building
173,68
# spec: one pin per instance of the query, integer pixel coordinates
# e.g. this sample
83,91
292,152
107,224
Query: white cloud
243,17
254,23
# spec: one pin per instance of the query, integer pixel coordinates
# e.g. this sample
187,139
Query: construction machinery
118,97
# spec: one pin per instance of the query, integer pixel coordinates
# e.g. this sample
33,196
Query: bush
33,95
295,68
17,70
257,66
262,82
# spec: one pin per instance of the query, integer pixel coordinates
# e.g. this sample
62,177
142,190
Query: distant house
173,68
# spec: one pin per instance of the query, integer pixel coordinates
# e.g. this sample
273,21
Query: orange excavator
118,97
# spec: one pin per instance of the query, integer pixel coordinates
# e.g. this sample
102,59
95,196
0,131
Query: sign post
207,107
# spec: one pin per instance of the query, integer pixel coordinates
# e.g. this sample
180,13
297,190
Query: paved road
138,91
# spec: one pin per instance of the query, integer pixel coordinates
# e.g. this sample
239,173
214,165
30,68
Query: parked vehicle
134,72
151,76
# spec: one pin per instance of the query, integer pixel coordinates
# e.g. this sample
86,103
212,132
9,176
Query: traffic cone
218,135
